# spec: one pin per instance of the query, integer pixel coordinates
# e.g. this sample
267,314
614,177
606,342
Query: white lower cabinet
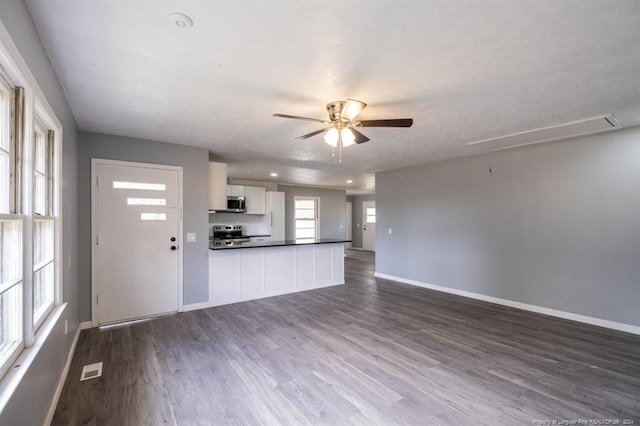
237,275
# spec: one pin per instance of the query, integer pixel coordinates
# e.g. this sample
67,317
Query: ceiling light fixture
181,20
273,174
341,128
343,137
349,181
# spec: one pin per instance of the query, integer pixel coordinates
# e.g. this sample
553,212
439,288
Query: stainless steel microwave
236,204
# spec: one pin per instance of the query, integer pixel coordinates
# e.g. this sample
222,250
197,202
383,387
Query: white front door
137,241
369,225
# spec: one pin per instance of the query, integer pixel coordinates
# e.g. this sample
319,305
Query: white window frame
11,353
16,72
316,200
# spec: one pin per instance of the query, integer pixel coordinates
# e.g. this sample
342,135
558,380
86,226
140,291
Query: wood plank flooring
372,352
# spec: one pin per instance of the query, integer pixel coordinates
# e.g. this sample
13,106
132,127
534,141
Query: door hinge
97,299
97,239
96,180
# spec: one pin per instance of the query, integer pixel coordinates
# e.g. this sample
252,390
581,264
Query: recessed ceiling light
349,181
273,174
181,20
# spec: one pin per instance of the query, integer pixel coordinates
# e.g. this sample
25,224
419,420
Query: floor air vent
91,371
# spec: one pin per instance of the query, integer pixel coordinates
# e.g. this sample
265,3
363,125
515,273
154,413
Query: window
11,235
30,284
43,224
306,218
370,215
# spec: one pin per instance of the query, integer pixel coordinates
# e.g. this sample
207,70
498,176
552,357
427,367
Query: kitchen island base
253,273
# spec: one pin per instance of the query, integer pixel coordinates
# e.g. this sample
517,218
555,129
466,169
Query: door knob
173,247
173,238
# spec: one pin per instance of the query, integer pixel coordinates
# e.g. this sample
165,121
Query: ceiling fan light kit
341,131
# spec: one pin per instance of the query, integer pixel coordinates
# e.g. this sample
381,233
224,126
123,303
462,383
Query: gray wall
31,400
195,185
356,217
557,225
332,209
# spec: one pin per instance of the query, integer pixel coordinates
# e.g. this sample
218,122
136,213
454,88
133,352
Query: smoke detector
181,20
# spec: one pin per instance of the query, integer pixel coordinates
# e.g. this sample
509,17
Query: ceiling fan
340,130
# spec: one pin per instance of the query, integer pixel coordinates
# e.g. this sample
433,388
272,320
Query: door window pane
140,185
371,215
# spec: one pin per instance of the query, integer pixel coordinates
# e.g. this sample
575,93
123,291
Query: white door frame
349,221
95,162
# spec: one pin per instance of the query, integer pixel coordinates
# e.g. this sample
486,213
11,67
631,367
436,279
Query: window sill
10,382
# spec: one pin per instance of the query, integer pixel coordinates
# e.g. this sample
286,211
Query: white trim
360,249
95,162
628,328
85,325
62,380
316,199
22,365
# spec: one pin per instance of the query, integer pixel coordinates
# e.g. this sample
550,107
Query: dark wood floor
369,352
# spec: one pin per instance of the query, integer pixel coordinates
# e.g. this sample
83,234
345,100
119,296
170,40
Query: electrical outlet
191,237
390,231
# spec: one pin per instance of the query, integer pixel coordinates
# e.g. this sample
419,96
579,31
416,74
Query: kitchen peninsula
269,268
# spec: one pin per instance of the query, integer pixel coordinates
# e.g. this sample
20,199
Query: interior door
369,225
137,242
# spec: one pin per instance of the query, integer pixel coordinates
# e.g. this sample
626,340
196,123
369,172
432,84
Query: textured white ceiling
463,70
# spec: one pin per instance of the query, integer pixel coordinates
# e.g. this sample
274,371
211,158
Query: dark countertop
278,243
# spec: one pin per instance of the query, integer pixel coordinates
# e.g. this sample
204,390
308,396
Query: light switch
191,237
390,231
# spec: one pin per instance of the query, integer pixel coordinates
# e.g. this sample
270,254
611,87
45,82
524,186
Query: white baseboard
629,328
196,306
85,325
63,378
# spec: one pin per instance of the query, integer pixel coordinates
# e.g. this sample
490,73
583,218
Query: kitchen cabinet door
235,191
217,186
255,199
275,204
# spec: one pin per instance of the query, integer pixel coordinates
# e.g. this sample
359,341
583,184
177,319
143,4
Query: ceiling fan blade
352,108
360,138
295,117
394,122
317,132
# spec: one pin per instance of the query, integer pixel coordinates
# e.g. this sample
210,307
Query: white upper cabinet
217,186
275,204
255,198
236,191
